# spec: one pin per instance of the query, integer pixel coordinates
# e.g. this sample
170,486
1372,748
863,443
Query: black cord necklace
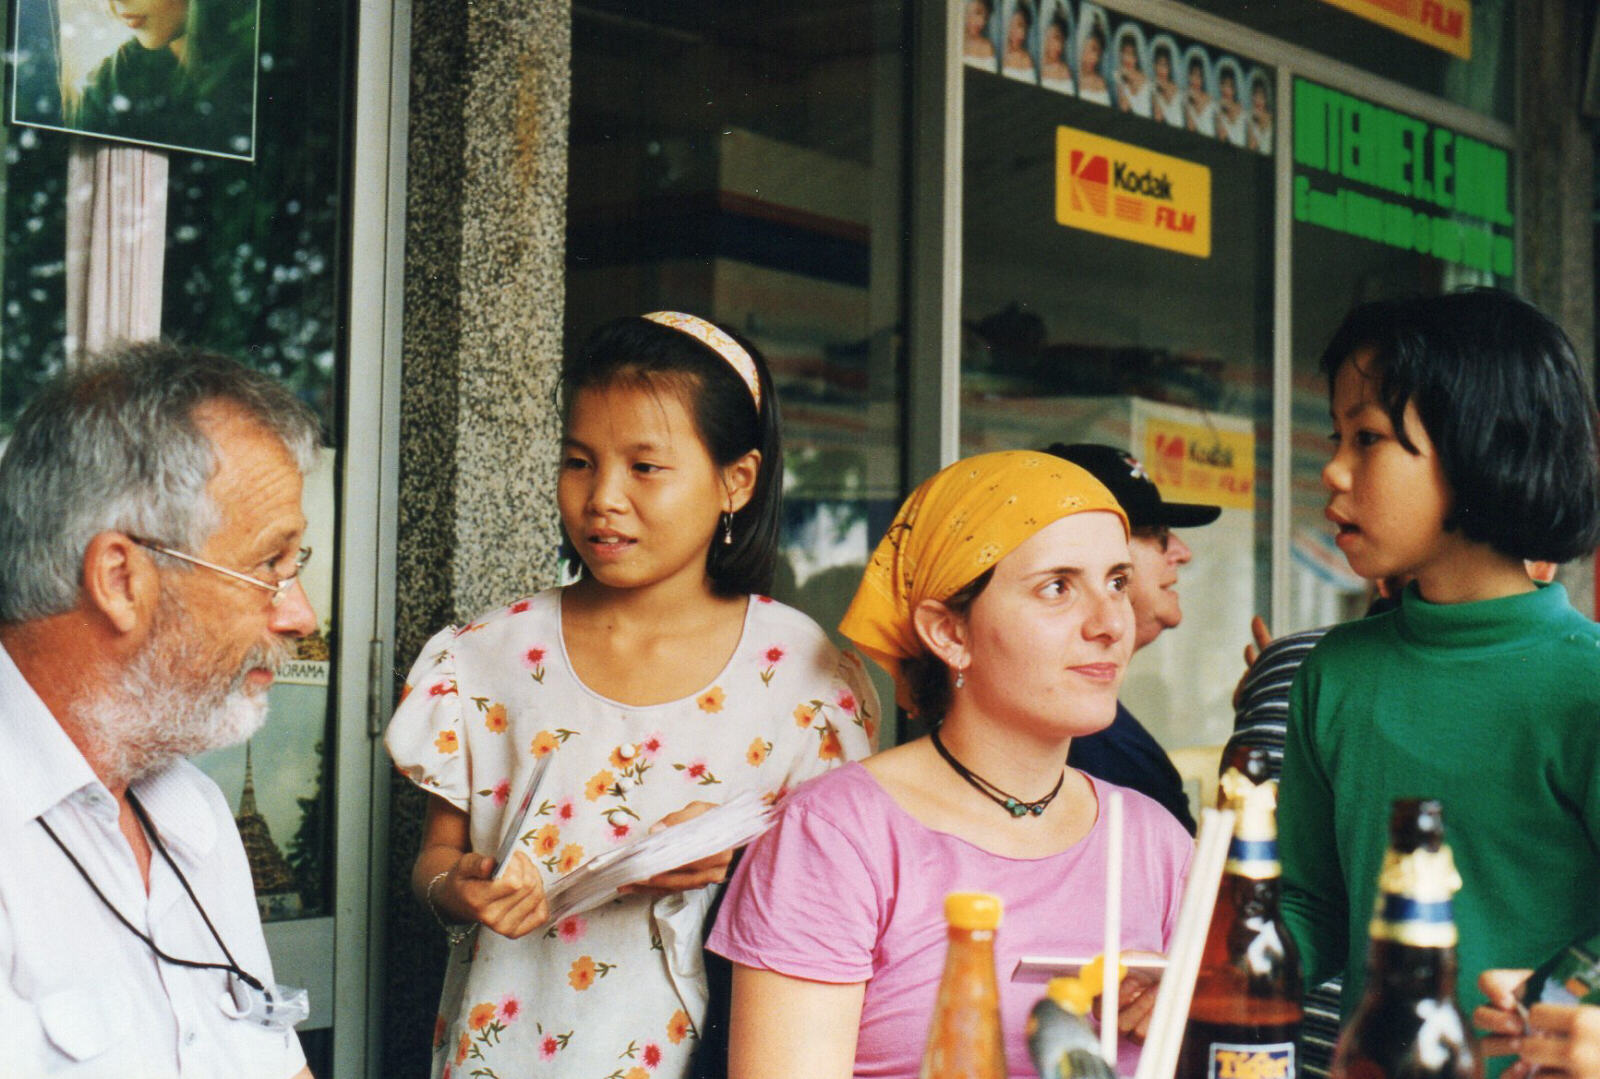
231,966
1009,802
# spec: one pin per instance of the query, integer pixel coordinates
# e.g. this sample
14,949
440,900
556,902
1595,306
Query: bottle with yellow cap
1244,1020
964,1040
1060,1040
1408,1024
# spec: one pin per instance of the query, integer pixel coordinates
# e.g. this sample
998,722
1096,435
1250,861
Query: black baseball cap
1135,491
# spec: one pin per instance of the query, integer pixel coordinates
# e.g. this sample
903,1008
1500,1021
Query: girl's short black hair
927,677
1499,390
636,351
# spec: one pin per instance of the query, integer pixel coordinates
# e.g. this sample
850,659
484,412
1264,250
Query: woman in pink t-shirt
997,601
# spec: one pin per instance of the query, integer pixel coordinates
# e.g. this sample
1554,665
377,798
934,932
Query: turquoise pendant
1016,808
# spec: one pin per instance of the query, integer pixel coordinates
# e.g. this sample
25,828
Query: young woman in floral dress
661,683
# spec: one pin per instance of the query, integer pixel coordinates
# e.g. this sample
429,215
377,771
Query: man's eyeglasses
278,590
1162,535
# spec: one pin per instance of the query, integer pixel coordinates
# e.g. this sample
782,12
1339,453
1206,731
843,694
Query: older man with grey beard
150,542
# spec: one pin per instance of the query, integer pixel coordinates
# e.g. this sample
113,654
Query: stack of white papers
736,822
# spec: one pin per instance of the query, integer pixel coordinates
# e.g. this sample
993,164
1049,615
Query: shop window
1463,51
1385,205
1117,288
745,162
243,223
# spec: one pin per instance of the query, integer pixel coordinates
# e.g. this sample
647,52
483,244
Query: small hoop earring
727,529
961,678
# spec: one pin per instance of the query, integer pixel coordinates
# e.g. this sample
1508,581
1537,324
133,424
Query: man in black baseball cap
1124,752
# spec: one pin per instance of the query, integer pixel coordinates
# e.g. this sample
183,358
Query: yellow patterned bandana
958,524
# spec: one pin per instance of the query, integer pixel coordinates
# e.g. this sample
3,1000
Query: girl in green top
1464,443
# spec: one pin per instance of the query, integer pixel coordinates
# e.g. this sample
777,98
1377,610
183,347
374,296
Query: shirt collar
46,768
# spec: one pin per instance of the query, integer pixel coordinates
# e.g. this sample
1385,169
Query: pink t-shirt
848,887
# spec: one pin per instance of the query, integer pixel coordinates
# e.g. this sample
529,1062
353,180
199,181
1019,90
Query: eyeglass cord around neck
231,966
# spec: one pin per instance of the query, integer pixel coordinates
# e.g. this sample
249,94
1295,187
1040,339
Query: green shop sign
1379,174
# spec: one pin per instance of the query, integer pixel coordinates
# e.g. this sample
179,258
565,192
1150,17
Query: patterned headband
717,341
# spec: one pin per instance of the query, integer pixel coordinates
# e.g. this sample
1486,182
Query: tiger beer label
1413,901
1272,1061
1253,852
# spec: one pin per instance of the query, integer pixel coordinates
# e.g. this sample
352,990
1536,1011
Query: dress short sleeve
425,736
776,916
842,708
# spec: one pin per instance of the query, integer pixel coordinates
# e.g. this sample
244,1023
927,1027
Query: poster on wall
1121,190
1196,456
276,782
978,33
1370,171
1199,456
1083,50
1444,24
173,74
1017,55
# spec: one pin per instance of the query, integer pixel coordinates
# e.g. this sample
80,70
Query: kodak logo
1091,180
1145,183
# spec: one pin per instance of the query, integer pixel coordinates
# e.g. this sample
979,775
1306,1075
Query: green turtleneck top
1492,707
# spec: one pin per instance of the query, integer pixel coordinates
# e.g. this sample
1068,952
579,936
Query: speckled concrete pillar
486,197
1555,192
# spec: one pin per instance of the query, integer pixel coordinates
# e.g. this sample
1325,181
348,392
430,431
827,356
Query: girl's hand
1564,1038
1252,652
1561,1038
1136,999
513,906
709,870
1500,1016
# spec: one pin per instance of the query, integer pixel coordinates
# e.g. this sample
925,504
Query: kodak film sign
1121,190
1444,24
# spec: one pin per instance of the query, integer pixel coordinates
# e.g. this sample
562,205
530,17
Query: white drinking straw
1113,943
1171,1013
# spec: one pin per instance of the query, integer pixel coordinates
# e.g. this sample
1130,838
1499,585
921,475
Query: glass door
1117,287
248,244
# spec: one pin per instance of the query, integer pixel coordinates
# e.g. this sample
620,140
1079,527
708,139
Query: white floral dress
617,993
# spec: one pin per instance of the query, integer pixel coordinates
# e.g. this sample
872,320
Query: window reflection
253,268
1075,335
745,162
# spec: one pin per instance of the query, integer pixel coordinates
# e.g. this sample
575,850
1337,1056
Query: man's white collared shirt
81,995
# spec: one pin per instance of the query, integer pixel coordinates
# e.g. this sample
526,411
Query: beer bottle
1244,1020
1408,1024
964,1039
1060,1040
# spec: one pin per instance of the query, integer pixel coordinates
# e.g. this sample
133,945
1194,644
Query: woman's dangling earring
727,529
961,678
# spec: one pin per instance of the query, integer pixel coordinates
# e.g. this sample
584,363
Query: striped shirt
1261,719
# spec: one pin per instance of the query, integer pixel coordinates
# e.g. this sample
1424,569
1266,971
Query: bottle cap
972,910
1071,994
1093,973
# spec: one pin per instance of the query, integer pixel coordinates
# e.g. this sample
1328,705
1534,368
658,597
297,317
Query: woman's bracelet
455,934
